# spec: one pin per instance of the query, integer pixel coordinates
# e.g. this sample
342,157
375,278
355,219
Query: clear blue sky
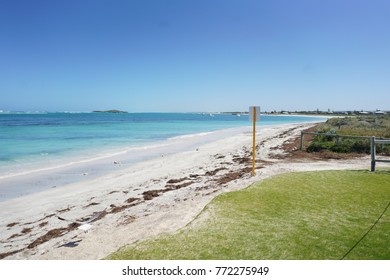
201,55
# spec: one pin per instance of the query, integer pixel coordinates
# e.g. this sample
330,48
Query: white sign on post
251,112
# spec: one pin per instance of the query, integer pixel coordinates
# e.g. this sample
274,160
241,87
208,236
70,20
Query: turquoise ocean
32,141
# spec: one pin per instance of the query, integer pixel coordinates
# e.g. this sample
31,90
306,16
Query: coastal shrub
383,150
387,132
343,146
319,146
378,126
361,146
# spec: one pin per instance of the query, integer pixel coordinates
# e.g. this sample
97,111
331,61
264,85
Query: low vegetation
307,215
378,126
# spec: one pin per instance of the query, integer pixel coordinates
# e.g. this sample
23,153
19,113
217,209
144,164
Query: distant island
110,111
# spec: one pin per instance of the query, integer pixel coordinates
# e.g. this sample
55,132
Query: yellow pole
254,141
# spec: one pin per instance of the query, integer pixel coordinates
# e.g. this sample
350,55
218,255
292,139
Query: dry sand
156,196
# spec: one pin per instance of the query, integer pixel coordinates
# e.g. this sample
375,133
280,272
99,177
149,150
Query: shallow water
41,151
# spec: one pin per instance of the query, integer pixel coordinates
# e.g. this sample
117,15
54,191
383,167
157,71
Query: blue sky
201,55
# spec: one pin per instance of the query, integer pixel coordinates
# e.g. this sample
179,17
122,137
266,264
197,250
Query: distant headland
110,111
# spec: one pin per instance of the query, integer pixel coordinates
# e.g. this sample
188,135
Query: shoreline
76,167
156,196
71,170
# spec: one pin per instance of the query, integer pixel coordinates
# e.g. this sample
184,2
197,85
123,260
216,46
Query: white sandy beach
155,196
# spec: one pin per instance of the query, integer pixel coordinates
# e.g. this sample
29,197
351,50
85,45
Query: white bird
84,225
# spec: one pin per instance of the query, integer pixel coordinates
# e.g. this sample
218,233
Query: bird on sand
84,225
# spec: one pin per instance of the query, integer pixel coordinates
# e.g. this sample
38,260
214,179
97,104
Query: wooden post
373,152
254,142
302,135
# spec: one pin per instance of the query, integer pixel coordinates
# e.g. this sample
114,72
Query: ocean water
41,142
30,138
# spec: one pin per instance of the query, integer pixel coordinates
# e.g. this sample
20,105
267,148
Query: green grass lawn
308,215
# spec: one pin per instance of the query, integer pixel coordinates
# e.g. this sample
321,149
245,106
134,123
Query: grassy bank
378,126
309,215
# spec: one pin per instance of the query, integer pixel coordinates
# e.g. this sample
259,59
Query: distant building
341,112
